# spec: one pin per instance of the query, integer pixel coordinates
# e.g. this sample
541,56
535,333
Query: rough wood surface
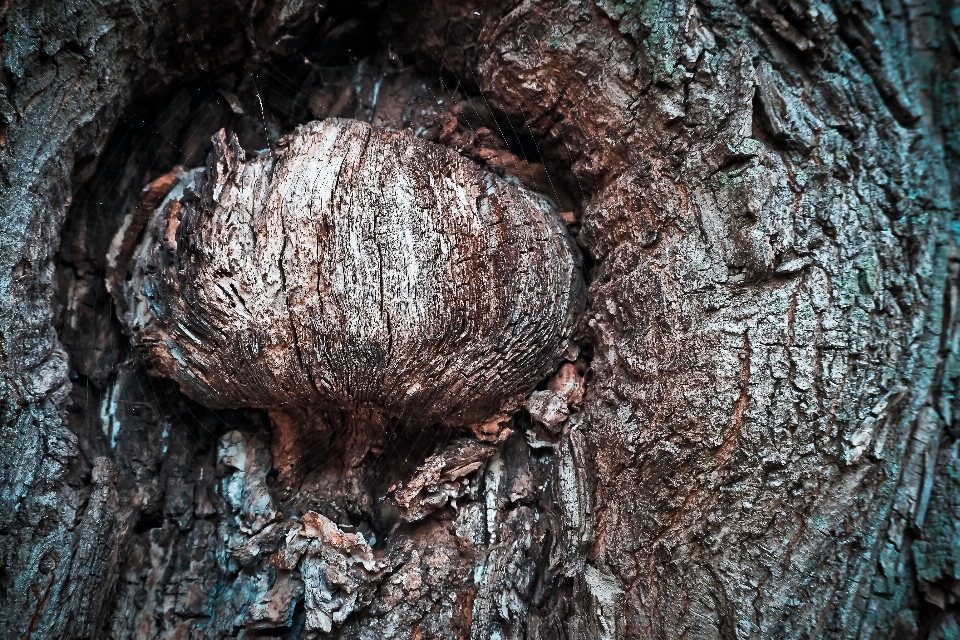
352,266
765,192
765,294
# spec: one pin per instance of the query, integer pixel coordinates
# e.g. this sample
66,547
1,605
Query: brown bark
756,438
352,267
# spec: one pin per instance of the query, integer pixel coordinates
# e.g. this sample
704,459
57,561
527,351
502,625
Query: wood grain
353,266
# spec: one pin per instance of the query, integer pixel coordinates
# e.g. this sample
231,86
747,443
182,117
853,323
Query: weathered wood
351,266
766,445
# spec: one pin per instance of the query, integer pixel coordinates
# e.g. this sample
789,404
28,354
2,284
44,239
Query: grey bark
765,446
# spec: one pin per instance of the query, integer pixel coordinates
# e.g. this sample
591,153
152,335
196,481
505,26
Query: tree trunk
763,197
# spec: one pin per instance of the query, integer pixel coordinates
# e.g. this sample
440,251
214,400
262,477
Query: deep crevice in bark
166,449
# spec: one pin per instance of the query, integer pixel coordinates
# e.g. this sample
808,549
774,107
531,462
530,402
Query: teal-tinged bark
66,71
767,194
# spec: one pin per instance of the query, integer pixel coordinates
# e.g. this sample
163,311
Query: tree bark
754,437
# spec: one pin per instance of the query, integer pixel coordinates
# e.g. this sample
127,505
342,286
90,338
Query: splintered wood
350,266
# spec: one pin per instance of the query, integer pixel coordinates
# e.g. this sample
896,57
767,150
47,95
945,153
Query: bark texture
756,439
355,267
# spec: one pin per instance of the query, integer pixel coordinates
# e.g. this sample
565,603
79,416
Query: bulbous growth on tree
352,266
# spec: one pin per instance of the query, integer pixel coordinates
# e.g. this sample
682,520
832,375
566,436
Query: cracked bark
766,444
